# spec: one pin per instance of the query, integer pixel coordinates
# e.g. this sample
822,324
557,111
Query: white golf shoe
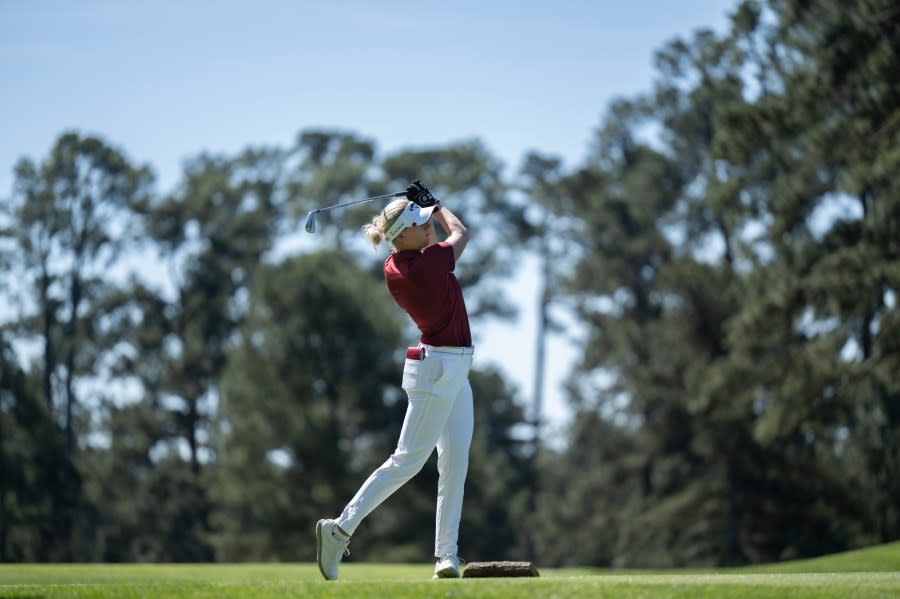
331,547
447,567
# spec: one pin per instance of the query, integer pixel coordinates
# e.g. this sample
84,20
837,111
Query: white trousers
439,414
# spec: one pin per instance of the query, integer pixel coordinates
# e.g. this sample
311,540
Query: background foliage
184,381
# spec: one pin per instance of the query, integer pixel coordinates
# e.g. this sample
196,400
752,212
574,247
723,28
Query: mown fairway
867,573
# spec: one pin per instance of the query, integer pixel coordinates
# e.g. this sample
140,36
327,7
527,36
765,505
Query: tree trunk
49,353
71,347
192,435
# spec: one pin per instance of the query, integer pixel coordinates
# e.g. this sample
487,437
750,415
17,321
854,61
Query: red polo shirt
423,284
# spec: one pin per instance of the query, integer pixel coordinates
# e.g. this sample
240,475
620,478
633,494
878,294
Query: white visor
412,216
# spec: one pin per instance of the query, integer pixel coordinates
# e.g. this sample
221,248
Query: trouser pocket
420,376
454,374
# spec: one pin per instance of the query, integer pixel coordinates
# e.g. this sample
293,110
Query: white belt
449,349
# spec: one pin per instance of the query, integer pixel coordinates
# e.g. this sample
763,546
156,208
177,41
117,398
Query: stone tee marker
499,569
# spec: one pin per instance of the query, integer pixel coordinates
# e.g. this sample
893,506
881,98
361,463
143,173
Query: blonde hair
376,230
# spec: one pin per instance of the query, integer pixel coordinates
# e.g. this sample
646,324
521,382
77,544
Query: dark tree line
184,376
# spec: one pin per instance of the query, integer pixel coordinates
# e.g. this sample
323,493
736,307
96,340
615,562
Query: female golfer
419,275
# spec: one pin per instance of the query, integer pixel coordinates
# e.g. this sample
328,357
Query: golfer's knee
408,464
454,455
453,463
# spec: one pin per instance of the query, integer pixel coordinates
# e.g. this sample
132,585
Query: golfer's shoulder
439,254
405,264
440,249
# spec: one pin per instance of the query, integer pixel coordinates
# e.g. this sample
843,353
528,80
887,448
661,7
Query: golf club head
311,222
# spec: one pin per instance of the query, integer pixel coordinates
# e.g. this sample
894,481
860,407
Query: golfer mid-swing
419,275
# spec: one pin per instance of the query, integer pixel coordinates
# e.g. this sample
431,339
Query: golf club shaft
396,194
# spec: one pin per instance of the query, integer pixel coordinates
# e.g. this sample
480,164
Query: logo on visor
415,215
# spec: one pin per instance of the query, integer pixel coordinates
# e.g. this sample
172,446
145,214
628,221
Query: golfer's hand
419,194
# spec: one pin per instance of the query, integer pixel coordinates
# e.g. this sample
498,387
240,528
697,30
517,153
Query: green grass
872,572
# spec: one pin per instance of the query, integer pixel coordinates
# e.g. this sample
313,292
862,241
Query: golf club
311,217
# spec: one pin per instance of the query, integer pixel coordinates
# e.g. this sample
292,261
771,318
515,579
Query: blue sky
165,80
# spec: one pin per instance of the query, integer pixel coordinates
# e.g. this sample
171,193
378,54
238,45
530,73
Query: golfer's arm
457,234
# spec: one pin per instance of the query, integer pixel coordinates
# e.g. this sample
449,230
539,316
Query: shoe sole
446,573
319,548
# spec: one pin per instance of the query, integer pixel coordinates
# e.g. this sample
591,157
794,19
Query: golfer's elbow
460,235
